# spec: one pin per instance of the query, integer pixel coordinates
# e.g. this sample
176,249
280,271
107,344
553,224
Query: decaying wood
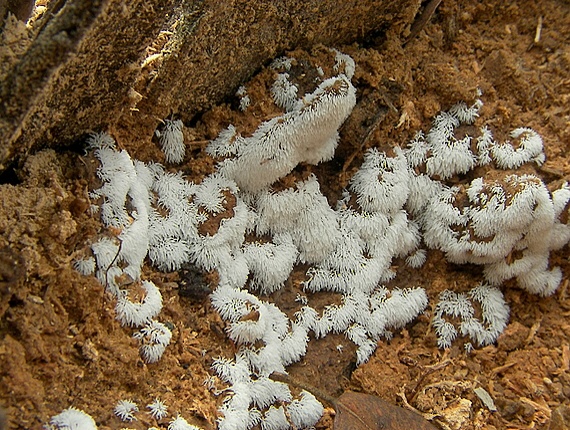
115,65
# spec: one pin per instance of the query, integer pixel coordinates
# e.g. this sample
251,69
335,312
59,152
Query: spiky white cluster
71,419
171,139
244,99
157,409
126,409
180,423
154,338
253,401
85,266
459,307
509,225
138,314
505,225
306,133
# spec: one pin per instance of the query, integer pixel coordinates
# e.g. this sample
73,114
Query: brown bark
112,65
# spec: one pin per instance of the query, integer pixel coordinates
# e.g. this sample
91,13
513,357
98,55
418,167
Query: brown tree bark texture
115,65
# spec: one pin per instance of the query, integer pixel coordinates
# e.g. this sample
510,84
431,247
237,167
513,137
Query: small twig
423,19
428,371
113,262
377,120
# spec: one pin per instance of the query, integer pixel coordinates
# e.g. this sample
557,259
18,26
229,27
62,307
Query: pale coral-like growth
180,423
126,409
85,266
134,314
490,222
154,338
171,140
72,419
459,307
529,148
308,133
157,409
305,214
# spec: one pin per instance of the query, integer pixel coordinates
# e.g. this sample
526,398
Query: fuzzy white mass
126,409
492,220
270,264
180,423
442,153
528,149
72,419
171,140
137,314
507,224
284,92
157,409
85,266
154,339
307,133
305,214
454,307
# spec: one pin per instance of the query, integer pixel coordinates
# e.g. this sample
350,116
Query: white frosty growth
157,409
381,183
72,419
85,266
134,314
305,214
442,153
180,423
485,222
459,307
284,92
270,264
154,338
171,140
307,133
529,148
244,99
125,410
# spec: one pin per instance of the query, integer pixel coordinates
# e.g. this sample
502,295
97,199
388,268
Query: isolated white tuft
244,99
284,63
72,419
494,315
100,141
455,314
171,139
344,64
157,409
155,337
453,305
125,410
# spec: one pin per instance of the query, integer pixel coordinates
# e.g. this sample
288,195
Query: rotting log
109,64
